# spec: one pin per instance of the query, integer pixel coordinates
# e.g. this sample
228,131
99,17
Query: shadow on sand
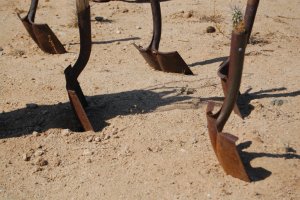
259,173
101,108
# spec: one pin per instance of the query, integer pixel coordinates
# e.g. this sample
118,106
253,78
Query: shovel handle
237,54
84,25
156,16
249,19
250,14
32,10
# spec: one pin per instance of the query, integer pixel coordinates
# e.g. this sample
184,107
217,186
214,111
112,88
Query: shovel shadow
244,100
101,108
259,173
110,41
209,61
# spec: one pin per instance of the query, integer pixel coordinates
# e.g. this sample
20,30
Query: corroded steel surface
42,34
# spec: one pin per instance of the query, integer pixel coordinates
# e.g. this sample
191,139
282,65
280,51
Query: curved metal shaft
32,10
157,24
237,53
250,14
84,25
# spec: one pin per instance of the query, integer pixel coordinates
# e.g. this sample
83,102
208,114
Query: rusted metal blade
42,35
225,148
149,57
28,27
170,62
173,62
47,40
79,111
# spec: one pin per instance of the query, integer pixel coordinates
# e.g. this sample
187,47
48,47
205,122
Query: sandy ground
151,140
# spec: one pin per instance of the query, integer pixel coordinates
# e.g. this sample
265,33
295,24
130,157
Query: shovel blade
28,27
149,57
173,62
47,40
229,157
79,111
225,148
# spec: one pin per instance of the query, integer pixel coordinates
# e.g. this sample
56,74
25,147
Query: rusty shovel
166,62
76,96
249,19
224,143
42,35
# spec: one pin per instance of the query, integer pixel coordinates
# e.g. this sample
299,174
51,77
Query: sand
151,140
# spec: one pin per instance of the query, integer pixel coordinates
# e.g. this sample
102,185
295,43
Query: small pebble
125,10
41,162
38,153
210,29
190,91
35,134
138,27
99,19
277,102
87,152
97,139
88,160
188,14
1,49
65,132
57,162
31,105
107,137
89,139
118,32
26,157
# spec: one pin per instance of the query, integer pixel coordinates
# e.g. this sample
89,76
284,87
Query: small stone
138,27
190,91
1,49
118,32
114,131
26,157
89,139
35,134
106,137
88,160
41,162
31,105
37,169
288,149
99,19
57,162
188,14
87,152
210,29
125,10
65,132
118,42
97,139
277,102
194,141
258,139
38,152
